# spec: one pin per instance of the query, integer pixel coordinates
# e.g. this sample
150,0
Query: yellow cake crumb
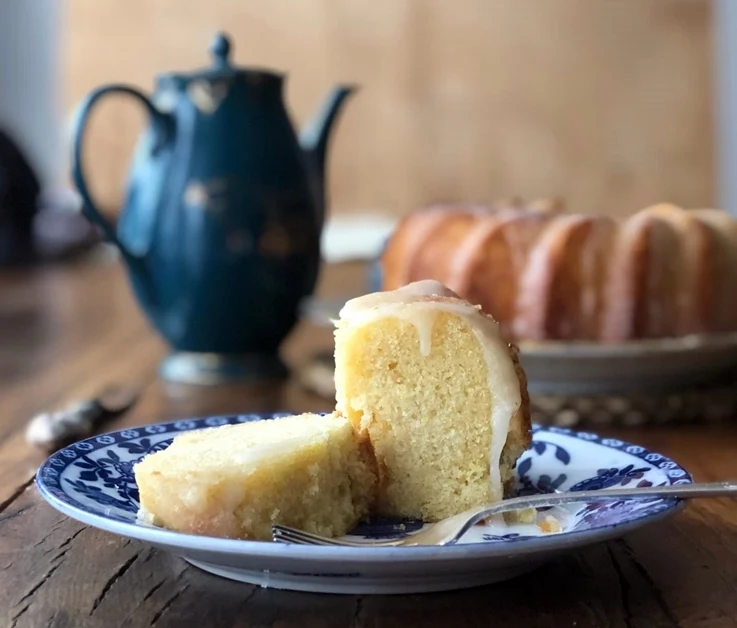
550,525
523,515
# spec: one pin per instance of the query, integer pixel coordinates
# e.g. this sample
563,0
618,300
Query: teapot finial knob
220,49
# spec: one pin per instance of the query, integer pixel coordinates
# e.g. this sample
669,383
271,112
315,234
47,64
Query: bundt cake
548,275
307,471
428,379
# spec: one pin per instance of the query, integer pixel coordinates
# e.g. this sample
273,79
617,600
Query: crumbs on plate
547,525
550,525
522,515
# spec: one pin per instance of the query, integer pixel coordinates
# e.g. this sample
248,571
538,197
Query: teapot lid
221,68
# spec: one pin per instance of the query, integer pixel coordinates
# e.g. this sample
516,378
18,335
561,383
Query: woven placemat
706,404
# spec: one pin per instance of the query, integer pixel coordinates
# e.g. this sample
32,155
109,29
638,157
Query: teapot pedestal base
220,368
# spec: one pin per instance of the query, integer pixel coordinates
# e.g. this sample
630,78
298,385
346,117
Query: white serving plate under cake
92,481
586,368
592,368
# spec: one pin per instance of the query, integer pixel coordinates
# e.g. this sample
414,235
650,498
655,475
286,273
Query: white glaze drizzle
535,281
411,303
416,237
467,254
286,436
518,243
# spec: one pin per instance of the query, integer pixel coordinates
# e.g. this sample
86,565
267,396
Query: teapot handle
160,124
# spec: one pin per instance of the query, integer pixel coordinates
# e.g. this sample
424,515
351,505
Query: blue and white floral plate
92,481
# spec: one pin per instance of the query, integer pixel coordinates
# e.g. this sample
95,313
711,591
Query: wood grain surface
606,103
68,332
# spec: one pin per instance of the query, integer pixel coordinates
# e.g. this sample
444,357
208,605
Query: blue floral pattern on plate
96,476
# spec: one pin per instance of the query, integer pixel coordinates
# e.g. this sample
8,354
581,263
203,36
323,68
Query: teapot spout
315,136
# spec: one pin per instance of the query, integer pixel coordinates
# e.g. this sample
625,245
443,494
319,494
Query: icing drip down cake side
427,378
432,414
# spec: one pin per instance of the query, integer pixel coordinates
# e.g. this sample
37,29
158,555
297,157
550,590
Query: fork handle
680,491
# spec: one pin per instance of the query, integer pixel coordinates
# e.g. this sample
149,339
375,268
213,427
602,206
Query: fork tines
285,534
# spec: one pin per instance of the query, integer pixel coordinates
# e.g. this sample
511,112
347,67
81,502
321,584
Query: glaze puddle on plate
92,481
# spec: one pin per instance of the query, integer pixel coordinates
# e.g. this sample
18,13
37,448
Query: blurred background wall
29,82
606,103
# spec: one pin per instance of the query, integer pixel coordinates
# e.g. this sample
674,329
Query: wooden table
67,332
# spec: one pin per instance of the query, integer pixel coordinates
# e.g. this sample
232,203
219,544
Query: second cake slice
307,471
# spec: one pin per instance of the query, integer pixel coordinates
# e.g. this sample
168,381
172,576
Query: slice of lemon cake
442,397
307,471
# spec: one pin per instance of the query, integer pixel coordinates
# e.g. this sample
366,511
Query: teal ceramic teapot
220,228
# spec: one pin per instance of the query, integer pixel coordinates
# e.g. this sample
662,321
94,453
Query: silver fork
450,530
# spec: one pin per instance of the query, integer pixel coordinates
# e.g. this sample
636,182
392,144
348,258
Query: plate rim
264,549
653,347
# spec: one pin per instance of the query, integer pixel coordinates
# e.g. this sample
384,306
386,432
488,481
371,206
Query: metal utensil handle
680,491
